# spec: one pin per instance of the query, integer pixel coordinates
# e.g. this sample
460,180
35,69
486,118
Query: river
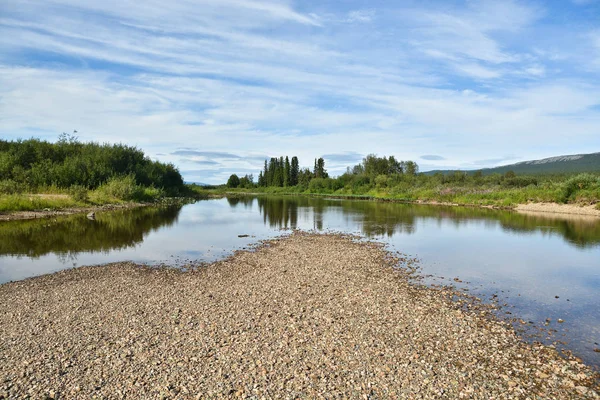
540,269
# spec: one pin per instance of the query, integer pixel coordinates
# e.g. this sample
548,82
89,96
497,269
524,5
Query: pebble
342,321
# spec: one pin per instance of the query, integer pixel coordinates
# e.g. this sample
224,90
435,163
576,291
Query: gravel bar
303,316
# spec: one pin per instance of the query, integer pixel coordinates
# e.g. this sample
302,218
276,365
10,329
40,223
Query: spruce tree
295,169
280,170
272,171
320,168
260,179
286,172
265,175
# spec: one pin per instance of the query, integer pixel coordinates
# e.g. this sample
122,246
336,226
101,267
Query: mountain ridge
564,164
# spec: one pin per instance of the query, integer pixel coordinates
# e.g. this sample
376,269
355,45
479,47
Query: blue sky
215,86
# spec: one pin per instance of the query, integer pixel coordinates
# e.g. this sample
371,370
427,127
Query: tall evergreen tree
272,171
260,179
294,170
265,175
286,172
320,171
280,172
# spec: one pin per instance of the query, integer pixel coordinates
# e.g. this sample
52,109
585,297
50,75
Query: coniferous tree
320,171
295,169
286,172
280,172
272,170
260,179
265,175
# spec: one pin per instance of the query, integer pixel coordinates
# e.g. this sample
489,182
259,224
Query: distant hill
198,183
567,164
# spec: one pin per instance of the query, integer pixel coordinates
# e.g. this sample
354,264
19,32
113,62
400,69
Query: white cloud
360,16
261,78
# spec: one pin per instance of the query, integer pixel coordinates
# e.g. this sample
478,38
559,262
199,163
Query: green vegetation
388,178
71,173
18,202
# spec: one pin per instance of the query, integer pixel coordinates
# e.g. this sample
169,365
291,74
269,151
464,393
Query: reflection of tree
387,219
245,200
70,235
380,219
279,212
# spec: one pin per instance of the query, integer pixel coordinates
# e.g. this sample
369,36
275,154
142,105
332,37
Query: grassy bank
500,191
118,190
37,175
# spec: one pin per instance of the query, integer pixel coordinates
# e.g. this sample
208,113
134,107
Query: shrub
317,184
577,183
151,194
122,188
8,186
79,193
381,181
519,181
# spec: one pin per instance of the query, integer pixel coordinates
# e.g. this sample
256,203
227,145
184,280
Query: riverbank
86,209
22,215
539,208
301,317
553,208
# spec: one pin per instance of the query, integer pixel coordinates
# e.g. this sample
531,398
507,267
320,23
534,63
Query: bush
151,194
79,193
8,186
381,181
577,183
317,184
122,188
519,181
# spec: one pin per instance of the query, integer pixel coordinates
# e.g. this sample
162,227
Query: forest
79,173
389,178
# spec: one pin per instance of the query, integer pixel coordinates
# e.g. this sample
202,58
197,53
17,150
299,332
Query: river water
537,267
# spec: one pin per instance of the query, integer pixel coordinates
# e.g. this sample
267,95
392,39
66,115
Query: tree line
34,163
281,172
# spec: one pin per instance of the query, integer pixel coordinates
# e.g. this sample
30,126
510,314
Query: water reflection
67,236
547,267
379,219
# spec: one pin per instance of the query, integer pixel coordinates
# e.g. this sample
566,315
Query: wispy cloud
234,81
361,16
347,157
211,154
432,157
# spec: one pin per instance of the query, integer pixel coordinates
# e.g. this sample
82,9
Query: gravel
305,316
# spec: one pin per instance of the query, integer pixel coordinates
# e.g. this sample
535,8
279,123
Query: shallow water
541,267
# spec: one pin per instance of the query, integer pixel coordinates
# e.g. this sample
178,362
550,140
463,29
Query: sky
217,86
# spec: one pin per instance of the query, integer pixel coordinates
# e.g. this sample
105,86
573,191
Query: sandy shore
308,316
554,208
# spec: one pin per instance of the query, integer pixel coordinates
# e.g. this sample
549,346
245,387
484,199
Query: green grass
576,189
20,202
117,191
